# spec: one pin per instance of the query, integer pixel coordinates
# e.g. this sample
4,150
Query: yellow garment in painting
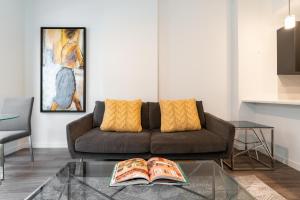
179,115
122,116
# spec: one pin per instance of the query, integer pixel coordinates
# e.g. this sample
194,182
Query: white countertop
272,101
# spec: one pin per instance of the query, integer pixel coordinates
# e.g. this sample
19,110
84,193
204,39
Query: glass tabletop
8,116
90,180
247,124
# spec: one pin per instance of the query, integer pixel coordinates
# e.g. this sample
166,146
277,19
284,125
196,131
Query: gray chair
18,128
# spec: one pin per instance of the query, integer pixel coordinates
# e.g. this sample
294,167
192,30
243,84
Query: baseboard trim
17,145
52,145
288,162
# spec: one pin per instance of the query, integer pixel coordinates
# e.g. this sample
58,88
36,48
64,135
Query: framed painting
63,69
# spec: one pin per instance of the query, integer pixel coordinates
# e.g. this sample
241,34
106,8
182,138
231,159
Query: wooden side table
259,142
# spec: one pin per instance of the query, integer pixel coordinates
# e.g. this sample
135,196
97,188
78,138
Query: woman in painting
71,57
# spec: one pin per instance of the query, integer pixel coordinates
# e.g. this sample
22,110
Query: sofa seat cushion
97,141
188,142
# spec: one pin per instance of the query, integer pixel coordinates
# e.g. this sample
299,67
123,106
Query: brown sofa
86,140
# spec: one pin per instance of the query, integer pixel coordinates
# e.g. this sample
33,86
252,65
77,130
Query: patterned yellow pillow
122,116
179,115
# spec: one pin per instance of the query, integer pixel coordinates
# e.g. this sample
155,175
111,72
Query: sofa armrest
222,128
76,129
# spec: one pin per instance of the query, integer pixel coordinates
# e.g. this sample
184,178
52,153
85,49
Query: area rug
258,189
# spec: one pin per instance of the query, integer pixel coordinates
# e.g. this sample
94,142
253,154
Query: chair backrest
21,107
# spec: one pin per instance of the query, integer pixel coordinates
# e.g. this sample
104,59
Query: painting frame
42,39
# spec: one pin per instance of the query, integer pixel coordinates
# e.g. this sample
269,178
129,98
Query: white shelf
275,101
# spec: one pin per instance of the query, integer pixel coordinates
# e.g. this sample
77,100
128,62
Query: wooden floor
22,177
283,179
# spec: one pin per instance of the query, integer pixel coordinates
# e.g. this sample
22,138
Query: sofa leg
80,167
221,163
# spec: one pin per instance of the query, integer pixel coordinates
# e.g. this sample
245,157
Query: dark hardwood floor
283,179
23,177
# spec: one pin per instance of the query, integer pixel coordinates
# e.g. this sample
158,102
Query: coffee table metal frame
260,142
80,171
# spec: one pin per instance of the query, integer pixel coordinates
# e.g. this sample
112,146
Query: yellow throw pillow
179,115
122,116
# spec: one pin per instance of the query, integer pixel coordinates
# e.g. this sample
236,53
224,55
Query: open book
154,171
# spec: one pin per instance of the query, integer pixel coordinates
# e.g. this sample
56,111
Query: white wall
12,48
195,46
121,55
194,52
258,22
12,55
220,51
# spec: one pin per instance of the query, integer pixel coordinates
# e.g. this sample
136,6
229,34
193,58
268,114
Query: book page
161,168
131,169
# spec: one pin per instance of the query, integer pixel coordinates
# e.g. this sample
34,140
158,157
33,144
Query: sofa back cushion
154,114
122,116
100,108
179,115
201,113
150,114
98,113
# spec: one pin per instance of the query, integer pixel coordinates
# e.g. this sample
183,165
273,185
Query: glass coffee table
8,116
90,181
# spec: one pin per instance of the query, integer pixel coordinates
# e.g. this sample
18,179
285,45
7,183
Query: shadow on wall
283,111
286,120
281,153
288,87
1,103
247,112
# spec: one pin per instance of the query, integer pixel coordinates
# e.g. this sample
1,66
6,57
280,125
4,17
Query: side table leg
272,146
246,139
256,154
246,144
232,161
221,163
